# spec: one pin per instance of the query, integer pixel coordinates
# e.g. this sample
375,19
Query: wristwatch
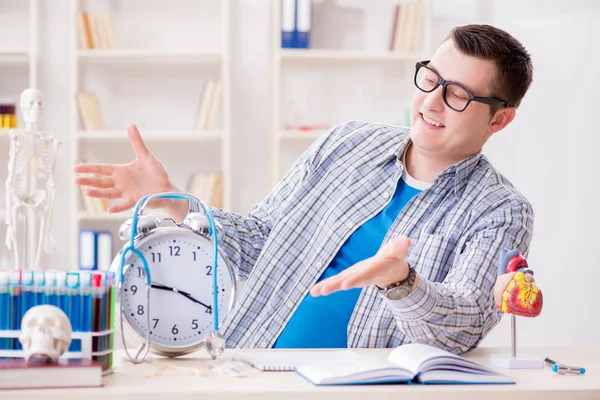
400,290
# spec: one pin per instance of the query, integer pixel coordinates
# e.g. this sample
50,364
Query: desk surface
194,377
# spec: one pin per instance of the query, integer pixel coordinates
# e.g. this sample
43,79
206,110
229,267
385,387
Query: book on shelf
89,110
210,102
95,249
95,32
15,373
410,363
208,187
296,24
407,26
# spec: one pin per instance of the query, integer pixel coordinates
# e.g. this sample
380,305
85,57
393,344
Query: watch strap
408,281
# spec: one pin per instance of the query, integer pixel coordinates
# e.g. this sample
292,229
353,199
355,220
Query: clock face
181,296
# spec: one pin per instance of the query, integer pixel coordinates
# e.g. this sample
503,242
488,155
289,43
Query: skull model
45,333
32,102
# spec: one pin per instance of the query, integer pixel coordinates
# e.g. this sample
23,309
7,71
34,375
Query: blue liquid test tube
51,289
39,283
74,312
4,309
85,280
27,294
14,288
62,292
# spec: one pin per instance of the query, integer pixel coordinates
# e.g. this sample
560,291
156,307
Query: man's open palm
129,182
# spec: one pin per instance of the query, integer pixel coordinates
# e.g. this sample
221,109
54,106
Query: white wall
548,152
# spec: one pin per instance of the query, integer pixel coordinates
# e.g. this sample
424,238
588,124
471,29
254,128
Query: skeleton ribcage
33,162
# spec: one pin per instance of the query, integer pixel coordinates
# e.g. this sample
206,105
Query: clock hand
181,292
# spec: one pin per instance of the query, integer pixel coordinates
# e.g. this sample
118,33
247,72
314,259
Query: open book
409,363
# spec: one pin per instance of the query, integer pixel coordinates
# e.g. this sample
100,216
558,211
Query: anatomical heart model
30,184
520,296
516,294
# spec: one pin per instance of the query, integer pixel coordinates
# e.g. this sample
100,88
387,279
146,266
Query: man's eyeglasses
455,96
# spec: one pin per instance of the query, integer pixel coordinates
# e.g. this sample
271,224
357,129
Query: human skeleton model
32,156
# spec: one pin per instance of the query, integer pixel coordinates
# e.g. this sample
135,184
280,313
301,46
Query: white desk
178,379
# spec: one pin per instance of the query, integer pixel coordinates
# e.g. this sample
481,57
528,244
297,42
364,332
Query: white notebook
286,360
409,363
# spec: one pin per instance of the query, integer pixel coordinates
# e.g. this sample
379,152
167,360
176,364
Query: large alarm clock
175,315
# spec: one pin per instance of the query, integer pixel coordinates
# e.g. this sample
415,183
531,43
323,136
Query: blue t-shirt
321,322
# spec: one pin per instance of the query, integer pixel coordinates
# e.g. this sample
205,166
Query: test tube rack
86,297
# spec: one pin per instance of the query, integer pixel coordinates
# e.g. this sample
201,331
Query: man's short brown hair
513,62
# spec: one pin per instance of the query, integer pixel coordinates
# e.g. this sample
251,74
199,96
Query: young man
378,235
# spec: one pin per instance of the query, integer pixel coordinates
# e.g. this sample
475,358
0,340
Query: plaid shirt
458,228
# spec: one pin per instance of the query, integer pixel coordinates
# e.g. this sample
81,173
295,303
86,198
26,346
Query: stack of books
89,109
208,187
95,32
407,28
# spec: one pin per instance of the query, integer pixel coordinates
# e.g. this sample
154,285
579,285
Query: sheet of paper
289,360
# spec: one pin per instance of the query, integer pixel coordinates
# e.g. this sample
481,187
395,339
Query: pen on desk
563,369
550,361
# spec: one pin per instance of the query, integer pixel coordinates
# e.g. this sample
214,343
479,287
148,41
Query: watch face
397,293
181,295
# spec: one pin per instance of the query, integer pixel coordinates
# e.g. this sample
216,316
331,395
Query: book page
412,356
420,358
354,369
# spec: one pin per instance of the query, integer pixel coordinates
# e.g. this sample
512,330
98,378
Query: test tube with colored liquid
96,309
51,288
85,282
62,292
111,311
14,293
4,309
26,293
74,310
39,284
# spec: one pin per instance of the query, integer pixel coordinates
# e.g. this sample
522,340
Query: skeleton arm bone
45,240
11,225
48,208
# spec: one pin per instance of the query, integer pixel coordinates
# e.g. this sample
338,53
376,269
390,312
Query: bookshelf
19,71
134,76
351,58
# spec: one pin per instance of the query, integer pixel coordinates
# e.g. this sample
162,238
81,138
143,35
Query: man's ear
501,118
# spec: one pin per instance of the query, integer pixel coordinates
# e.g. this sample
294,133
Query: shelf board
346,55
147,55
300,134
122,216
14,55
152,135
87,216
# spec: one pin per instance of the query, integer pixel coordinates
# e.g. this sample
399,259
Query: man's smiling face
437,130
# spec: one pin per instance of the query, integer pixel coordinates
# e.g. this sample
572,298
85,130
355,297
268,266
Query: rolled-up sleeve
459,312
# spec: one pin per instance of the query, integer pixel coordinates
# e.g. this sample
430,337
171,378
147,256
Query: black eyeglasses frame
491,101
